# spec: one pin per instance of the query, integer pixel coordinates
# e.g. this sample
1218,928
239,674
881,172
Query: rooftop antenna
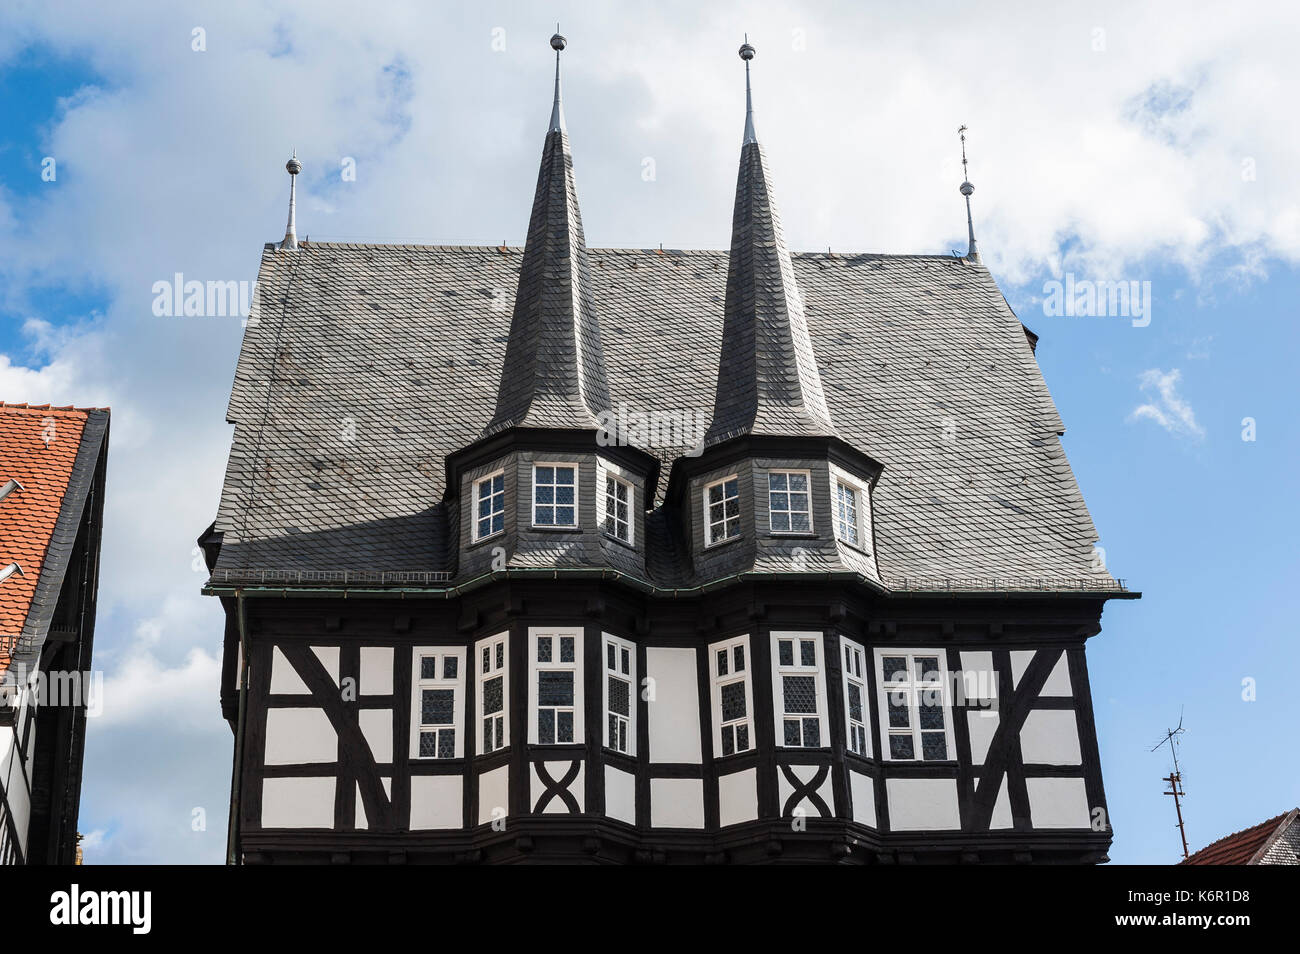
558,43
972,252
747,53
1175,778
293,167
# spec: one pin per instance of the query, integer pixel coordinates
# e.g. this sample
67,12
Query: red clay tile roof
1240,847
38,448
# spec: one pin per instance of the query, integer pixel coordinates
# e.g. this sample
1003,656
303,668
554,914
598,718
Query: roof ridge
62,408
622,250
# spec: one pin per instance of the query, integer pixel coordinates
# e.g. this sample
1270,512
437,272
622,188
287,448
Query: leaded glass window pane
437,706
807,652
429,667
493,699
450,665
900,747
934,746
733,701
785,652
619,697
800,693
555,688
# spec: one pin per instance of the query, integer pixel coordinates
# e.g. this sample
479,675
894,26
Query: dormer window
789,509
618,509
722,510
555,495
850,509
489,505
847,527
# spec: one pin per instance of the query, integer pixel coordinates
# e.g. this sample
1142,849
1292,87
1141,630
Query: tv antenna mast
1175,777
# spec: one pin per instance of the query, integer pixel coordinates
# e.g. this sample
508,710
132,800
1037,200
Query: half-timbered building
617,555
52,470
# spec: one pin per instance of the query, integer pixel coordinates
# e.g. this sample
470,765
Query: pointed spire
293,167
972,251
554,372
558,43
747,54
767,375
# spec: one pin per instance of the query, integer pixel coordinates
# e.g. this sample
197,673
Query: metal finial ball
967,188
558,42
293,166
746,52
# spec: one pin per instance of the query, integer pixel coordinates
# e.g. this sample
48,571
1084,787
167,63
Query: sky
1149,143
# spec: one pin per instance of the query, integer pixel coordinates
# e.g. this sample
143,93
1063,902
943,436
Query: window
555,495
722,510
913,704
855,700
493,691
556,690
846,514
620,695
797,692
618,509
732,699
787,499
490,506
437,683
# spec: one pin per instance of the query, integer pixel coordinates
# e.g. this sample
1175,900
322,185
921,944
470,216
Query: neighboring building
52,462
1274,842
620,574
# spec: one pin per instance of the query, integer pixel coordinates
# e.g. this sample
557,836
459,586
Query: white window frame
535,668
604,515
577,482
717,680
911,688
439,681
856,672
482,677
474,506
619,646
709,541
797,668
862,500
807,476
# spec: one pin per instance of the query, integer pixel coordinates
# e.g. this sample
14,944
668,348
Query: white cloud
1166,406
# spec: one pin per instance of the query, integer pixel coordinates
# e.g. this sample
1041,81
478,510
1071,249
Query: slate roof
1251,845
364,366
52,453
767,381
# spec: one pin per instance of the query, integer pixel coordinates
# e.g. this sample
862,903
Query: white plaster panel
299,735
329,657
1020,660
493,793
862,788
620,795
1058,683
437,801
805,773
557,771
1050,737
923,804
376,671
738,797
981,725
1002,809
676,803
674,712
1058,803
979,677
377,727
298,802
284,678
361,821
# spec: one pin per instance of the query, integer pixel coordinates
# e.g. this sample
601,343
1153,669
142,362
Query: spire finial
558,43
747,53
293,167
972,252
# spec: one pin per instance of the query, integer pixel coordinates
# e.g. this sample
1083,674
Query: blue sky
1151,151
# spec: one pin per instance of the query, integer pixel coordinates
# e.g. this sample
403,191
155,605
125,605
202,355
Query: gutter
288,591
